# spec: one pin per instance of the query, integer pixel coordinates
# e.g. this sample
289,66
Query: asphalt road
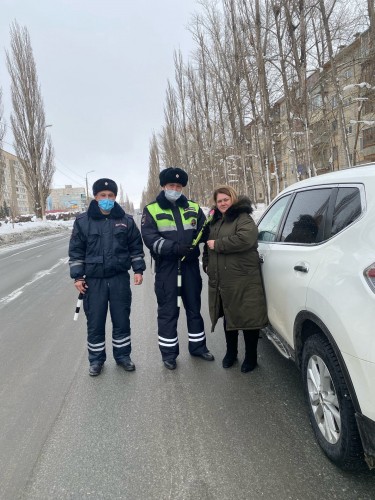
199,432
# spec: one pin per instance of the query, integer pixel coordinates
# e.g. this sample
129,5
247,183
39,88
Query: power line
66,175
59,170
81,176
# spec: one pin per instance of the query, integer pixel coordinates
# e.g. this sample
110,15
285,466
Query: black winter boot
251,344
232,345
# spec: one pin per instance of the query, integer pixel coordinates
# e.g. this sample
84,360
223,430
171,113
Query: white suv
317,248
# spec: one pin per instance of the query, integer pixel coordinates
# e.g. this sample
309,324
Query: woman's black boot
251,344
232,345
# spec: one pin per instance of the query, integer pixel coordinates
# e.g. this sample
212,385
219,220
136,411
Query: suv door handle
302,269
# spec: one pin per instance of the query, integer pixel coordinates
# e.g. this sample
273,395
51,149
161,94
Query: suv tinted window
347,208
269,224
305,221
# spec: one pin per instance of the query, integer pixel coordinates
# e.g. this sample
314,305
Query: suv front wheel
331,410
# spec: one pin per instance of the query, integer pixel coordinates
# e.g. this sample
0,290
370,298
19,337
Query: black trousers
116,293
168,312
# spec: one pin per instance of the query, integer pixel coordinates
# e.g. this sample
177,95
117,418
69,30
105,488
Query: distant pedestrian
235,288
169,226
105,243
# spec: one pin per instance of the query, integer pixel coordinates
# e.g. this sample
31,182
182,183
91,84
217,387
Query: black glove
183,250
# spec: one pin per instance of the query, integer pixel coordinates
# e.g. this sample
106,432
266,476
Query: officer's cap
104,185
173,175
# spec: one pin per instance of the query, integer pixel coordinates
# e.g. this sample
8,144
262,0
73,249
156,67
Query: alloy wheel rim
323,399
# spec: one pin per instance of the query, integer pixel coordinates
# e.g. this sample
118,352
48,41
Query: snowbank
24,231
20,232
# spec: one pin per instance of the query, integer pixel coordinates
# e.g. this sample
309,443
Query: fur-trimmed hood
243,205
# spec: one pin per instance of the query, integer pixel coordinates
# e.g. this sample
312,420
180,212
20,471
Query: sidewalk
24,231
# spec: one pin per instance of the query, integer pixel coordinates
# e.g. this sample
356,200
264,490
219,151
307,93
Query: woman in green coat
235,288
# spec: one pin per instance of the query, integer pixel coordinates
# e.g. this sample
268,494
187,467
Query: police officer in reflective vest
169,226
105,243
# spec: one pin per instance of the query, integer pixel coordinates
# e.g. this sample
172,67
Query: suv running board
277,342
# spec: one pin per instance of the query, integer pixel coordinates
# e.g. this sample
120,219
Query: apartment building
67,198
356,83
330,149
12,185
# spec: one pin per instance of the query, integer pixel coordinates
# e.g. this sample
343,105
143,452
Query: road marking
16,293
32,248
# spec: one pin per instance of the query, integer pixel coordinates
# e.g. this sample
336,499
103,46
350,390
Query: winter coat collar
243,205
94,211
165,204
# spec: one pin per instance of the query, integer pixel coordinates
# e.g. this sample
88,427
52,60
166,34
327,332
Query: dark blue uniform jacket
102,246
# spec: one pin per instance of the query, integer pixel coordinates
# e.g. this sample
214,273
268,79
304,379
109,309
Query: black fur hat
104,185
173,175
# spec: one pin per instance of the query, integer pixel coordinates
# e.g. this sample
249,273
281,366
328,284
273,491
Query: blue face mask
172,195
106,204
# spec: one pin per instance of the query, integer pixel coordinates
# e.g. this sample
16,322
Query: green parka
235,287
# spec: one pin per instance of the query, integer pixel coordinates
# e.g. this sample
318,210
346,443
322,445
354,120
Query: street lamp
87,187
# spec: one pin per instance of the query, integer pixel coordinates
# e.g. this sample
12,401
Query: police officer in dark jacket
105,243
169,226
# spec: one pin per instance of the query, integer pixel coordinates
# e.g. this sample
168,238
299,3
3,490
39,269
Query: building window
316,101
368,137
369,106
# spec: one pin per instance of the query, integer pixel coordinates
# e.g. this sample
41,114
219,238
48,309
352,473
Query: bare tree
153,186
121,200
171,152
128,206
250,93
31,143
2,133
2,124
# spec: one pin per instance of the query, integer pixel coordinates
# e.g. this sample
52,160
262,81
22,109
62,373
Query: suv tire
331,410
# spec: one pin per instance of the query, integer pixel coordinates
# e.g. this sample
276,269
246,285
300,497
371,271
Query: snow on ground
17,233
23,231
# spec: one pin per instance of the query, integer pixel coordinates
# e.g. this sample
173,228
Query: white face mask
172,195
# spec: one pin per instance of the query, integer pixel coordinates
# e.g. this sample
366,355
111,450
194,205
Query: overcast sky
103,67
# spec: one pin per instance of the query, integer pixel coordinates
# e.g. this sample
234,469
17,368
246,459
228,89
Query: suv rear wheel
331,410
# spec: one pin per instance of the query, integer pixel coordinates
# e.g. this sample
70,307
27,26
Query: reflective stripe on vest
164,217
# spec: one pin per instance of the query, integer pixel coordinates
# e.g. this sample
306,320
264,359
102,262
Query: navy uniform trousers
116,292
168,312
